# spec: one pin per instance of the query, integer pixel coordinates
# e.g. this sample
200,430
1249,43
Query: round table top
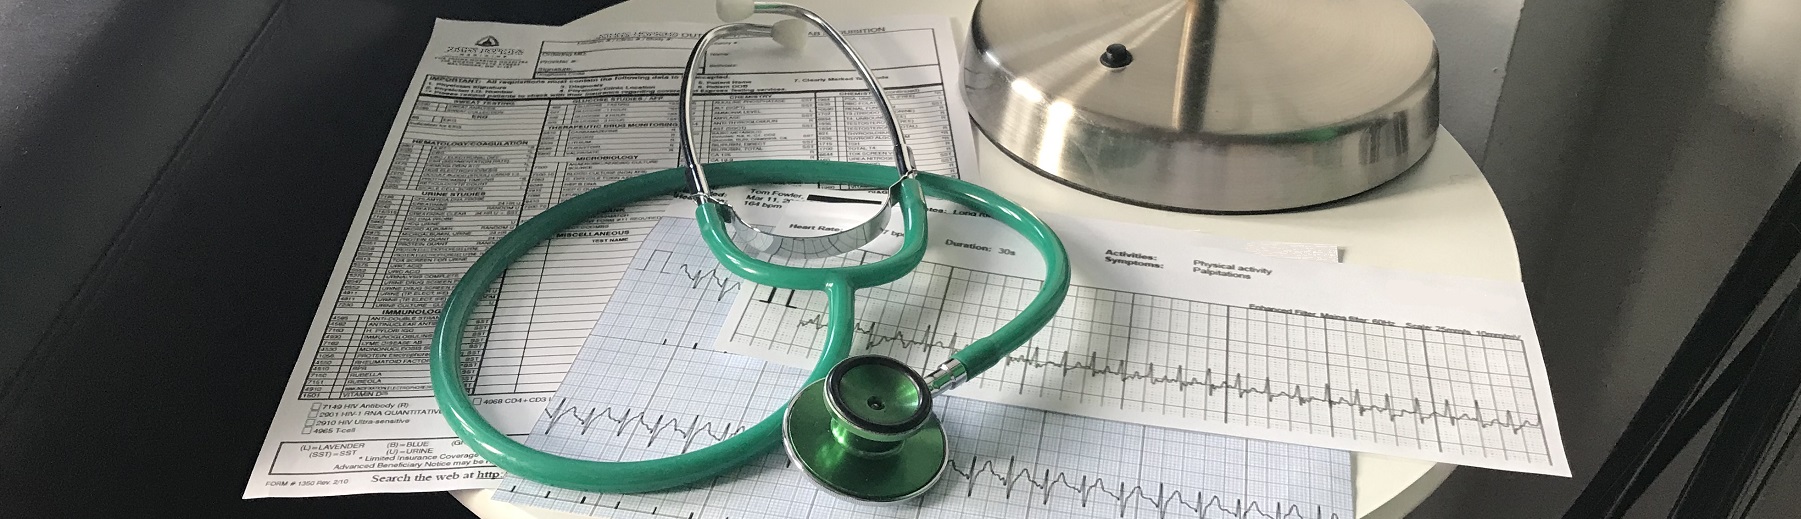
1439,217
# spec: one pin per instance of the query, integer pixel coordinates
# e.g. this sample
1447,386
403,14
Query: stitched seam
70,307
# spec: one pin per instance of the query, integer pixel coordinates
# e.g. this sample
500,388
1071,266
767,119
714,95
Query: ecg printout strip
647,385
1159,332
489,136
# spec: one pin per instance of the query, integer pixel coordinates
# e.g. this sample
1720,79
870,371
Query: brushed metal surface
1225,106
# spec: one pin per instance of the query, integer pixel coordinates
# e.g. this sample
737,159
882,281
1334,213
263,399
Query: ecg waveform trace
621,420
984,477
641,389
1094,365
1090,490
709,279
1167,359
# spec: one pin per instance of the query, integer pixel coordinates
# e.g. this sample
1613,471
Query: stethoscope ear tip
791,33
735,10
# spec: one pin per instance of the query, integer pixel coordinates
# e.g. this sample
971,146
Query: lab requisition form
504,121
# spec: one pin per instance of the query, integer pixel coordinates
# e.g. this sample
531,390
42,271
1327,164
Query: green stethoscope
861,427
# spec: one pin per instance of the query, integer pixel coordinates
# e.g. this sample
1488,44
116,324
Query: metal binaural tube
903,154
684,113
697,178
790,33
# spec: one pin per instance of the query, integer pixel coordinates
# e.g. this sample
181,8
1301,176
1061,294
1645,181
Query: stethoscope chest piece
867,432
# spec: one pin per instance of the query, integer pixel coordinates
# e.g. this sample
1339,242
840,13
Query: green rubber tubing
839,284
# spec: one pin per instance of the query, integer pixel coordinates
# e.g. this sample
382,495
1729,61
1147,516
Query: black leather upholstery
176,178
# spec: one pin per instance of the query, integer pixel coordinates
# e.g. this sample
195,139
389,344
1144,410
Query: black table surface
176,180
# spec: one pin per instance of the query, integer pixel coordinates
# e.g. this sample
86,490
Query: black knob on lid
1116,56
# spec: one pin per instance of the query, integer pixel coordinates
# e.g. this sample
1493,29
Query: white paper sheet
503,121
646,385
1160,331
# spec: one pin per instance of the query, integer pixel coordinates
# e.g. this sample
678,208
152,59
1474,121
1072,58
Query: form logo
487,41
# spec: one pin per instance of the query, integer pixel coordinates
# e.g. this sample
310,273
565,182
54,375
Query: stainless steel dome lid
1206,105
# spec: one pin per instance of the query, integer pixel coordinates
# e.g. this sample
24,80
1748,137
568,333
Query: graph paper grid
1179,362
646,385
